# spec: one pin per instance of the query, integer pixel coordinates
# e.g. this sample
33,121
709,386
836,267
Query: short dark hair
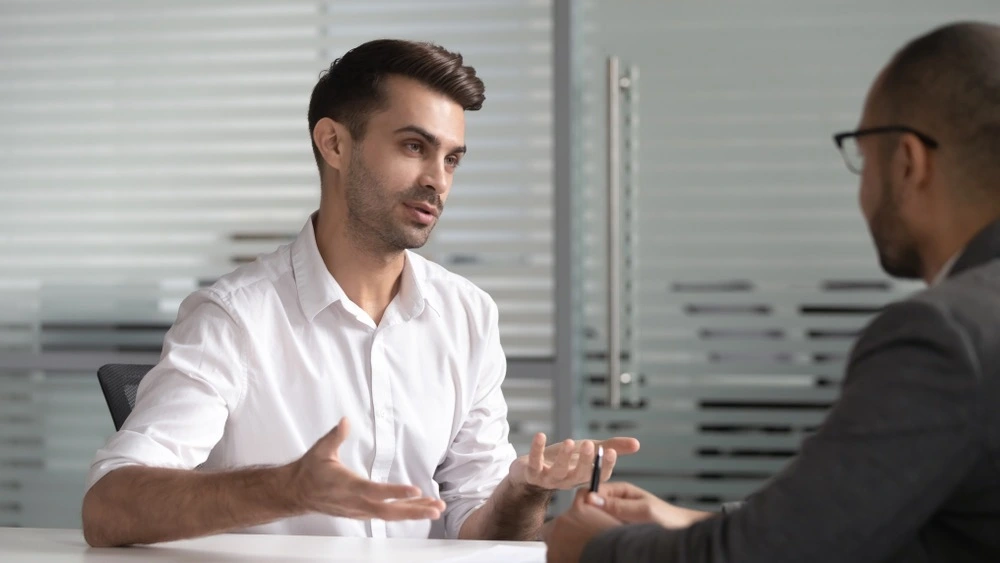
948,82
354,86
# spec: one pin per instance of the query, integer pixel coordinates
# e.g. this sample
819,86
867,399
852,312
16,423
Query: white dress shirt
264,362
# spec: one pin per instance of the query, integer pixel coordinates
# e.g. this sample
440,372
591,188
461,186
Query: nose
436,177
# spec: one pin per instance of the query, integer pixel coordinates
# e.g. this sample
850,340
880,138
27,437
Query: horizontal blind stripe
200,102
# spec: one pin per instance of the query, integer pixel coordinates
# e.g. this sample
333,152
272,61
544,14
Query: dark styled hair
354,86
948,82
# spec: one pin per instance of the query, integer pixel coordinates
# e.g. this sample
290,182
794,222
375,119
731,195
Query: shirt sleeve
183,403
479,457
904,434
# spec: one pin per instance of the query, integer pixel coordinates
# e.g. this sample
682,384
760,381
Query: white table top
64,546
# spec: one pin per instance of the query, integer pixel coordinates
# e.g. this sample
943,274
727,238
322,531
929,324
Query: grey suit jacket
906,466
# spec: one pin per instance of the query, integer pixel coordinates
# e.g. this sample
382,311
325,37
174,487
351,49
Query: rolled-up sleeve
183,403
479,457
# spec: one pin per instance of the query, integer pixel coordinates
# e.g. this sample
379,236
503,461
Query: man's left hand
568,535
568,464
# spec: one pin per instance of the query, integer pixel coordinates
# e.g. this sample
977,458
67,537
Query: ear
331,139
912,164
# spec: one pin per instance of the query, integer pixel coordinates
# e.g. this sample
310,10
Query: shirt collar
946,269
414,290
318,289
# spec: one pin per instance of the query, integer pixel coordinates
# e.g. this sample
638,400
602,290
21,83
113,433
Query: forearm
141,505
513,512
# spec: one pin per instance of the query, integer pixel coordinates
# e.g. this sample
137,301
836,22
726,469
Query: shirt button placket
385,435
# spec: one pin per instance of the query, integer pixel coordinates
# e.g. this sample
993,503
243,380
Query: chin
420,235
413,241
899,270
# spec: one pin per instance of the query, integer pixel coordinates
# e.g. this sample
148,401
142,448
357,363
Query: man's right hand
321,483
633,505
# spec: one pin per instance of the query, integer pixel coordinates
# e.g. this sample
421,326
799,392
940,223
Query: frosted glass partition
748,268
147,148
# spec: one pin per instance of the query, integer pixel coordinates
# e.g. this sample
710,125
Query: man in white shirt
232,429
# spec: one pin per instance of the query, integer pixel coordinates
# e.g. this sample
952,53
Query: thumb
329,444
626,510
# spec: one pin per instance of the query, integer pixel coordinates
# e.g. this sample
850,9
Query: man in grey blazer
906,466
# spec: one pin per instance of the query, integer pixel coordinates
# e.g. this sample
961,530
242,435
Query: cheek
390,166
401,173
868,194
864,199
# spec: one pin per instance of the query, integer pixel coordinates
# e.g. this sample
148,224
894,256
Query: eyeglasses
847,143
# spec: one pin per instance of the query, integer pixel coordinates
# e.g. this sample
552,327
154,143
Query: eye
413,146
453,161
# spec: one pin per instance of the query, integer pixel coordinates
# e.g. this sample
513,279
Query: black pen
595,477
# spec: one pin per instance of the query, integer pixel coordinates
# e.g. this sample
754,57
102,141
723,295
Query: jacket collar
983,247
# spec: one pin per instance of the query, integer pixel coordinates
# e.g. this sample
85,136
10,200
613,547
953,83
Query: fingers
608,465
568,463
536,457
595,499
560,468
586,501
385,491
341,430
410,509
620,489
329,444
628,510
585,462
624,446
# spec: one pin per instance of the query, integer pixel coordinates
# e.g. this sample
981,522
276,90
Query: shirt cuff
130,448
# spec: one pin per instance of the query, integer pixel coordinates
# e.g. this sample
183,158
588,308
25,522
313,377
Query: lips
426,208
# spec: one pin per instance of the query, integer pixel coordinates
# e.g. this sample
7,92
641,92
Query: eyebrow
429,137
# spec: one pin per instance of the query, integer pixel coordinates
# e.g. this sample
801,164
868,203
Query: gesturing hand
633,505
323,484
568,464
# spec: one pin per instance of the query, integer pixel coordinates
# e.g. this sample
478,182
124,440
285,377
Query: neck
950,239
369,277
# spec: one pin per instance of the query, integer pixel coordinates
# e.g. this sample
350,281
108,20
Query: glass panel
748,269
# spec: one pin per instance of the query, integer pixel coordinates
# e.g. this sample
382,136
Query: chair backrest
119,383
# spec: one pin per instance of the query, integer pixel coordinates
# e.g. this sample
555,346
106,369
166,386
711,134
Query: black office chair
119,383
